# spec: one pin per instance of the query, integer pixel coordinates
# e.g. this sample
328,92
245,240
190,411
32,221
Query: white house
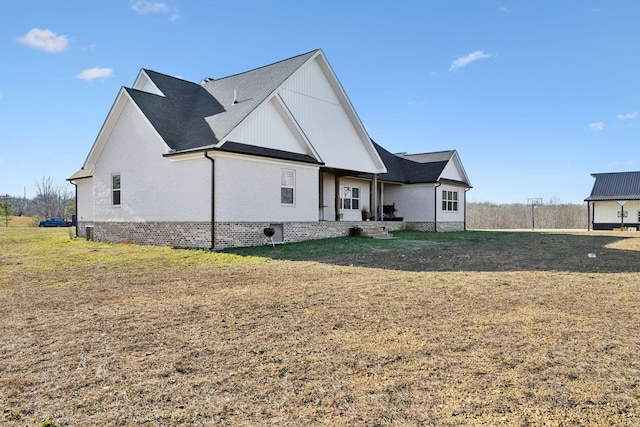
212,164
614,201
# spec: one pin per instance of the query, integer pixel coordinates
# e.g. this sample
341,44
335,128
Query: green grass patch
405,241
52,249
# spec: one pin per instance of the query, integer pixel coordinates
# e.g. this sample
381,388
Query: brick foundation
450,226
177,234
429,226
227,234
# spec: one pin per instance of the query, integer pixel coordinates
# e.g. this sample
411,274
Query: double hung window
449,200
287,186
115,189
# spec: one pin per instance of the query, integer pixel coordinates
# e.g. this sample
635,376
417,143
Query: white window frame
347,198
450,201
287,182
116,189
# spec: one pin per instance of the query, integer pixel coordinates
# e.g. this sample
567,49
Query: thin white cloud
628,116
95,73
149,7
145,7
90,47
463,61
1,94
45,40
596,126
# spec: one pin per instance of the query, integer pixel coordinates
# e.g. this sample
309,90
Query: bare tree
50,199
550,215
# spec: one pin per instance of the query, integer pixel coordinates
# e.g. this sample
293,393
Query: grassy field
474,328
18,221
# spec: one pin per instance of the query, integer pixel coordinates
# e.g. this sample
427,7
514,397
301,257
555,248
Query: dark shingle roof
251,88
192,116
406,171
179,115
252,150
615,186
437,156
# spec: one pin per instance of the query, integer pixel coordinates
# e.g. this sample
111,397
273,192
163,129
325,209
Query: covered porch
352,196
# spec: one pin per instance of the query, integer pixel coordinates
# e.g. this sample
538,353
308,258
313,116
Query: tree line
549,215
51,200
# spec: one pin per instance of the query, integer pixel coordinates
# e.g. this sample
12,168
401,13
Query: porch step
375,230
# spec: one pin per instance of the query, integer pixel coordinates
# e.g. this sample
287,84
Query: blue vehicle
54,222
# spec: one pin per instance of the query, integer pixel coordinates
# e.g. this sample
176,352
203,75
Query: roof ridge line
265,66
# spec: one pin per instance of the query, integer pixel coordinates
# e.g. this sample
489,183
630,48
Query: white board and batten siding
607,211
271,127
152,187
328,121
454,170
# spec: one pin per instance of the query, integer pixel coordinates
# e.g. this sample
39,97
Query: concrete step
375,230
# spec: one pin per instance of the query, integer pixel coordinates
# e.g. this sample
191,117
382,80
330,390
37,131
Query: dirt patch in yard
152,336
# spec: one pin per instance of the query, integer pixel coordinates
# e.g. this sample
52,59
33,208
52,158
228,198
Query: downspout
435,207
213,200
76,202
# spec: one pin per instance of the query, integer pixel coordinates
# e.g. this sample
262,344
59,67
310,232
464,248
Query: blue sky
535,96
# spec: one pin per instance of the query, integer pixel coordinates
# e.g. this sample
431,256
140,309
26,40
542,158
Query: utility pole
533,203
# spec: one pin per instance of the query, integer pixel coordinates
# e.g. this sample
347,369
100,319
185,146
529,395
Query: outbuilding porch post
337,195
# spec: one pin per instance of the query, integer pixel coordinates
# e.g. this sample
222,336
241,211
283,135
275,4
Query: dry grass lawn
416,333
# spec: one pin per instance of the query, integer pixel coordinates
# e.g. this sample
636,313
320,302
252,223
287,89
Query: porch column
381,202
337,195
321,197
374,197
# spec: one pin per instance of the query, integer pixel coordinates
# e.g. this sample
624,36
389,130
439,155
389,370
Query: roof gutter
213,200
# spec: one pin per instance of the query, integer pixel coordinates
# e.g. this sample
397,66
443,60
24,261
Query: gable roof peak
282,61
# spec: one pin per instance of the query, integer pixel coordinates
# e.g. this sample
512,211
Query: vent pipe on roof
235,97
206,80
